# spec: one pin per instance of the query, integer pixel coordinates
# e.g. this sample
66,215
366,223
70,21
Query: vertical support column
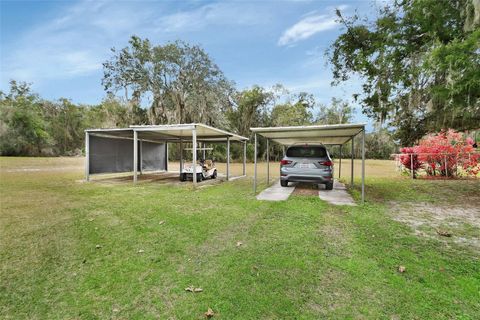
283,148
268,163
255,167
228,158
363,166
181,156
351,173
166,156
340,163
135,155
87,156
244,158
141,157
194,156
203,153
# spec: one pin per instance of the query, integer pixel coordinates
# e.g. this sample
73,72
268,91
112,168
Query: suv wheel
199,177
329,186
284,183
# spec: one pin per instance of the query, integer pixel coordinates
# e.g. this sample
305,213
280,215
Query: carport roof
170,133
336,134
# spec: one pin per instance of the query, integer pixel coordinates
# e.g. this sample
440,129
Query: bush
447,153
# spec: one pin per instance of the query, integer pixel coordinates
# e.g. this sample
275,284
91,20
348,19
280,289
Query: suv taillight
285,162
327,163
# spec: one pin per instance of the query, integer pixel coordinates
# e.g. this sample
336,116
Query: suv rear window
306,152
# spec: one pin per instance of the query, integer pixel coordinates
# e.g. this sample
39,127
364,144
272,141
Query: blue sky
59,46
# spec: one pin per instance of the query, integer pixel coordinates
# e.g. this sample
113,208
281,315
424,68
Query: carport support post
244,158
181,156
340,162
140,155
351,174
203,153
268,163
194,156
87,156
363,166
228,158
135,155
166,156
255,166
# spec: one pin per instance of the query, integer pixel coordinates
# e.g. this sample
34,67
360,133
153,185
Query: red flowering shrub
410,159
446,153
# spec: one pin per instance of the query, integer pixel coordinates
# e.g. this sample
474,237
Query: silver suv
307,163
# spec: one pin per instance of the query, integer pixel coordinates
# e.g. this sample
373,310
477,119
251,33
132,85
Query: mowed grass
299,259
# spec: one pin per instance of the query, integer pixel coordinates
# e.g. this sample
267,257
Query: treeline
30,125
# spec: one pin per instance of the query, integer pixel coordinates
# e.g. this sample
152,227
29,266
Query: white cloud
78,39
222,13
308,26
75,43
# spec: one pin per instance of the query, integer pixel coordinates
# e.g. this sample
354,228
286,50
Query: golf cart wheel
284,183
183,177
214,175
199,177
329,186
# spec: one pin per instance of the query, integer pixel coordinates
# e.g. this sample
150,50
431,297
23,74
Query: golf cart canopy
171,133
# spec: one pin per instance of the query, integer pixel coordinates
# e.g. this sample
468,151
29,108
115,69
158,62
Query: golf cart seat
208,164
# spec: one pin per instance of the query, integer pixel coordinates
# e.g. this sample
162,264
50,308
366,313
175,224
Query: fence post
411,165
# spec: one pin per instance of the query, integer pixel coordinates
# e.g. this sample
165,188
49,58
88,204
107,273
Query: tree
339,111
418,61
294,113
249,109
23,128
181,79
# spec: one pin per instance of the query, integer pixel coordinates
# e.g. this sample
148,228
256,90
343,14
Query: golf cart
204,168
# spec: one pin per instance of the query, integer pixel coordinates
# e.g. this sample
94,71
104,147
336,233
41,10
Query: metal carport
337,134
175,133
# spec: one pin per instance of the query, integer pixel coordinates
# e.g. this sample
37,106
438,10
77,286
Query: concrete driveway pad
276,192
337,196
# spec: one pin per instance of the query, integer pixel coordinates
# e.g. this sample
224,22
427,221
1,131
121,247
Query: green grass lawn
299,259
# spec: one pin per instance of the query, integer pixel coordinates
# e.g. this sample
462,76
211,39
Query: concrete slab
276,192
337,196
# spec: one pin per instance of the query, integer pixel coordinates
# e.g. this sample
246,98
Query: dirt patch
305,189
433,220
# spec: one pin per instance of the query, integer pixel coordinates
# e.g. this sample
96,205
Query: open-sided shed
145,147
338,134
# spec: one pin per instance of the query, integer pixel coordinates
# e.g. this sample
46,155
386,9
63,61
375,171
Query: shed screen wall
109,155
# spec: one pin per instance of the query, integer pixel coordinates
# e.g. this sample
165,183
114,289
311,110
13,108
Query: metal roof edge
309,127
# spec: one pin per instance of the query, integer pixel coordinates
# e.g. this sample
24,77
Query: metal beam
268,163
166,156
363,166
87,156
255,167
135,156
181,156
228,158
244,158
141,157
340,163
351,174
194,156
